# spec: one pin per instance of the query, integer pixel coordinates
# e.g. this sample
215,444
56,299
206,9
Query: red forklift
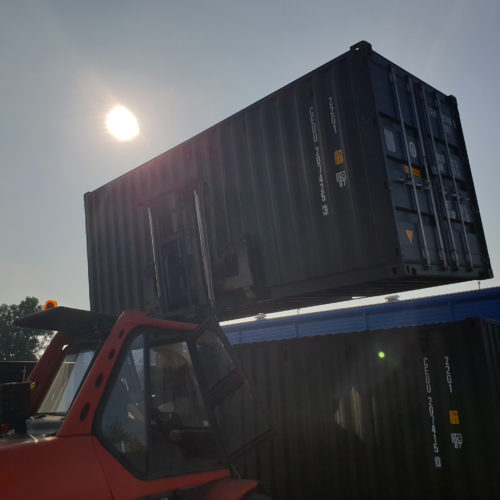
127,408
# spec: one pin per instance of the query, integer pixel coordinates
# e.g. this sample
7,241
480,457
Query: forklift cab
154,397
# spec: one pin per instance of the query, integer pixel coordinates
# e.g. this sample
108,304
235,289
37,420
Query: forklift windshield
153,418
67,381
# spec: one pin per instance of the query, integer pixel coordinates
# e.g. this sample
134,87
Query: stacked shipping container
352,180
404,413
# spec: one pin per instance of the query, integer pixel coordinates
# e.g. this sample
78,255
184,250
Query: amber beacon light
50,304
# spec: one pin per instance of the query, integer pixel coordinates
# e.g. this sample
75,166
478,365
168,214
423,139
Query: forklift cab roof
74,322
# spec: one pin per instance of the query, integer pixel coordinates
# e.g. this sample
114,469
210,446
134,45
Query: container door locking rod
453,251
423,240
468,254
430,191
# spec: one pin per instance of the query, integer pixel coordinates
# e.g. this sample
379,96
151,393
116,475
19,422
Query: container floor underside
334,293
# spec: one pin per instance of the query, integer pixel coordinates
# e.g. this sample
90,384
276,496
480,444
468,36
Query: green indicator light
381,354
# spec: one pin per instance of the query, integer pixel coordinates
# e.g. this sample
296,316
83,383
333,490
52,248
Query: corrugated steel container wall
440,309
15,371
352,180
420,422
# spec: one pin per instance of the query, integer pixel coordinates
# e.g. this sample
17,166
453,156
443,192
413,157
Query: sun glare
122,124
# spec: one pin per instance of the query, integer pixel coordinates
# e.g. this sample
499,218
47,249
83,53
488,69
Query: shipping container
352,180
423,311
15,371
404,413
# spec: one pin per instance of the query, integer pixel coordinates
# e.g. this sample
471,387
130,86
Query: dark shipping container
353,180
15,371
405,413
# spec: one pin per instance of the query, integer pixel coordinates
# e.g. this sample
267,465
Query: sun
122,124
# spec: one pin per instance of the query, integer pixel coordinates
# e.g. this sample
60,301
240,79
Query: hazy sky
182,66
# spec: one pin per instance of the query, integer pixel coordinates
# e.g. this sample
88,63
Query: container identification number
317,155
432,415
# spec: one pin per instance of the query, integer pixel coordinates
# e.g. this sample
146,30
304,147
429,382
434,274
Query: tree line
21,344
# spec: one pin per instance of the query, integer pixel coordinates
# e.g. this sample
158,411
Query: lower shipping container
352,180
15,371
407,413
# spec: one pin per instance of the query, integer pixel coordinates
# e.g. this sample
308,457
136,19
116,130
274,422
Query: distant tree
16,343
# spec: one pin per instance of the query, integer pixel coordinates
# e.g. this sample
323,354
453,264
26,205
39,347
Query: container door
436,212
228,394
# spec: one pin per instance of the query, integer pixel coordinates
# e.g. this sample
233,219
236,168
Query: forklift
128,407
